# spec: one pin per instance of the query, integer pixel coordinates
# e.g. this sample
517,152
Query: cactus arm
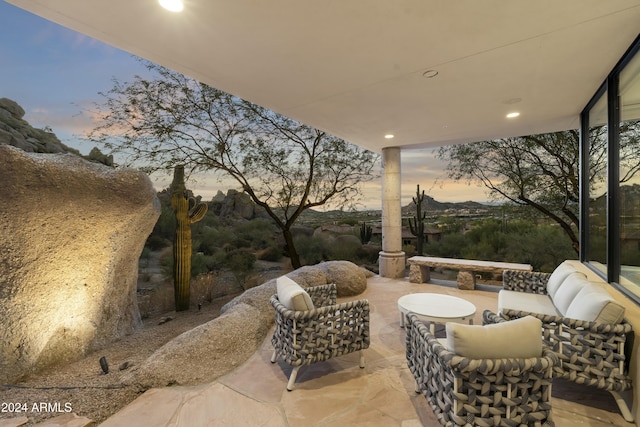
198,212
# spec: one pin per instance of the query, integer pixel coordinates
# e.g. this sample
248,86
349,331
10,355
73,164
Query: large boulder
72,232
350,279
204,353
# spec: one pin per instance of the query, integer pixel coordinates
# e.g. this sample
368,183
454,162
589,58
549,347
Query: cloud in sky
56,75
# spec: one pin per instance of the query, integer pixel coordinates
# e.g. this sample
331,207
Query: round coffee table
436,308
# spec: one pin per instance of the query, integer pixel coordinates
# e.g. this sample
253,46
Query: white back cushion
292,296
594,303
519,338
568,290
558,276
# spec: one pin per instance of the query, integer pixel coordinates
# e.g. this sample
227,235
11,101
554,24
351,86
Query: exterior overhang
361,69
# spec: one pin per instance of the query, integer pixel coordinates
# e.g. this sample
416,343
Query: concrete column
392,258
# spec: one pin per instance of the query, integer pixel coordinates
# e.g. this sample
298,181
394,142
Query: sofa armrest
534,282
591,353
489,318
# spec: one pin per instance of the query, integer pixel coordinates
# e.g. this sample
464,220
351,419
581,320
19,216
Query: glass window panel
597,235
630,176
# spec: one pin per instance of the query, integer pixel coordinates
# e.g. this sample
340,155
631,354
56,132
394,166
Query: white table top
436,305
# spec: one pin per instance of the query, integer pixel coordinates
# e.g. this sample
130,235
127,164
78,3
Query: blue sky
56,75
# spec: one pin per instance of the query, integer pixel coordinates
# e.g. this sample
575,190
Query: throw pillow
292,295
519,338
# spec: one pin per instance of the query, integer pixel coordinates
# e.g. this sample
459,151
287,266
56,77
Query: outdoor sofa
583,324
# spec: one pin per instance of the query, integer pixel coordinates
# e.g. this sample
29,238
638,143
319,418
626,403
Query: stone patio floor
338,392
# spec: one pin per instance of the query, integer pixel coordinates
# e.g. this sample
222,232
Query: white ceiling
354,68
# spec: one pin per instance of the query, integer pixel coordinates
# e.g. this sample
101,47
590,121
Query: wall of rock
72,232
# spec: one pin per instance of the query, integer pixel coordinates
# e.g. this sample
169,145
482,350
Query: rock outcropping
16,131
72,232
236,204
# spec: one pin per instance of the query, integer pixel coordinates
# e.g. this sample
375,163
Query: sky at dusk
56,74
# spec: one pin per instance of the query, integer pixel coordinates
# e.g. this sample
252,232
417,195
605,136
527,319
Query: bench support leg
466,280
419,273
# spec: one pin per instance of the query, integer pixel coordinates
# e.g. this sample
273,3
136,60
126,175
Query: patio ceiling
355,68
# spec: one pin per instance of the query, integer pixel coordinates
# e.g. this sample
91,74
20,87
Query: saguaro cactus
187,210
417,225
366,231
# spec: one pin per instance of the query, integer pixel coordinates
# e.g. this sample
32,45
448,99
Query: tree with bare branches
285,166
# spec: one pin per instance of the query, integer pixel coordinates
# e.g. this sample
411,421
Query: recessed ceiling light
172,5
429,74
513,115
389,136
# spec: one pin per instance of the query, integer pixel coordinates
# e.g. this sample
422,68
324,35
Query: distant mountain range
430,204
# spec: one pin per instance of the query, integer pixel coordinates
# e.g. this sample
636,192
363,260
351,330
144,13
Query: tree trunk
290,248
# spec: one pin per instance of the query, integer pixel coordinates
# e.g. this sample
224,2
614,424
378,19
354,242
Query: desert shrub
449,246
311,249
367,254
271,253
344,248
202,288
212,238
542,246
156,242
258,233
165,227
200,264
241,263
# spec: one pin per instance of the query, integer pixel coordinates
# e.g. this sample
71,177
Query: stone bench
419,269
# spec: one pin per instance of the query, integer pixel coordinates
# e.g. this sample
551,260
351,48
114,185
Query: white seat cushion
292,296
593,303
523,301
568,290
558,276
519,338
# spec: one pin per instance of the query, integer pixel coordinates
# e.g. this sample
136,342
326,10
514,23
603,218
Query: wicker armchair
480,392
590,353
318,334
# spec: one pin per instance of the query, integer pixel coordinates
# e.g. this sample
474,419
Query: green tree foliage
541,245
284,166
542,171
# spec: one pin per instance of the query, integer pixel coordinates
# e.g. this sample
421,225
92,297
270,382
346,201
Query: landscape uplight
172,5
